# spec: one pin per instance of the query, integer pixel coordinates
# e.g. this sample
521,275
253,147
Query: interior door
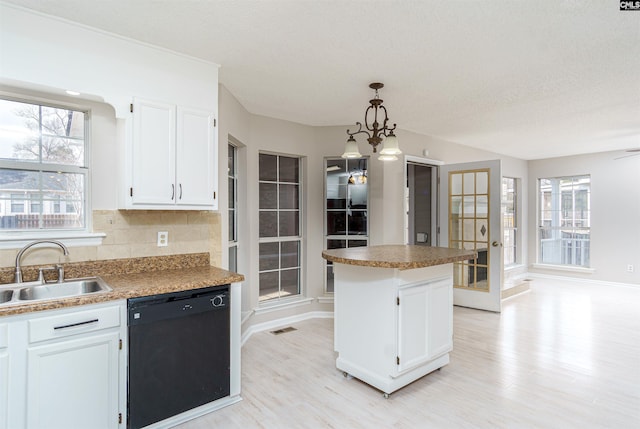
470,218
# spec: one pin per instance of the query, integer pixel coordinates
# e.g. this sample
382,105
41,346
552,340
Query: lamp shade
351,149
390,145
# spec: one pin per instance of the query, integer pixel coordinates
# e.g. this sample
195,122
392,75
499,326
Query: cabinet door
425,322
153,153
196,157
440,318
74,383
413,328
4,376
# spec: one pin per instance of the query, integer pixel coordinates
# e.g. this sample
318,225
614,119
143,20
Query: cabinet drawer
4,335
77,322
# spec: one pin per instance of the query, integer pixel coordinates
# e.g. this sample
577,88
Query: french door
470,218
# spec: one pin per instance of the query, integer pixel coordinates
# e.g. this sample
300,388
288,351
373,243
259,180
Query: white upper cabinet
196,153
173,158
153,153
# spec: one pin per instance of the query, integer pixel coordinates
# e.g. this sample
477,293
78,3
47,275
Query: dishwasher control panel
177,304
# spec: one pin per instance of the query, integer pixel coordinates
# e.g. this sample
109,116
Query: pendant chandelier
376,133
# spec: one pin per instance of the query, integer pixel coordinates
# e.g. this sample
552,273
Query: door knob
496,244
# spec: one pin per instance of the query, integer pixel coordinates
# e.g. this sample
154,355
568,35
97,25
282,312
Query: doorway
421,202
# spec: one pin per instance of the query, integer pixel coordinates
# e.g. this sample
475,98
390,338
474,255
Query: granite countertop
134,278
398,256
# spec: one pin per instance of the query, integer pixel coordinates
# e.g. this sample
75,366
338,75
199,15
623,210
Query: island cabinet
171,157
393,315
424,322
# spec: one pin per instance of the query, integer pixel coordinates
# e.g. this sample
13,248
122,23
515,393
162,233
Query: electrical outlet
163,238
629,268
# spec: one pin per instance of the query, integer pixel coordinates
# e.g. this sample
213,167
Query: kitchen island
393,311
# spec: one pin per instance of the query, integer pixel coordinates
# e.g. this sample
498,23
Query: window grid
510,220
469,216
345,208
280,245
564,220
43,161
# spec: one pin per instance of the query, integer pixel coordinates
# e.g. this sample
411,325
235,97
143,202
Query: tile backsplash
134,233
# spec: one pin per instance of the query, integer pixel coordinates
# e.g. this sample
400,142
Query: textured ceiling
530,79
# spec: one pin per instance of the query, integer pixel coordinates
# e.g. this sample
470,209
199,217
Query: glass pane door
469,226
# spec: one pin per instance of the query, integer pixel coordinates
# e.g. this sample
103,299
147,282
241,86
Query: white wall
234,124
55,55
615,212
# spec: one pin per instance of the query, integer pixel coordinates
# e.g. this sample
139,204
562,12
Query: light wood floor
564,355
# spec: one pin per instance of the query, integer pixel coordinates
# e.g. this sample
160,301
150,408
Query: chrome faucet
18,278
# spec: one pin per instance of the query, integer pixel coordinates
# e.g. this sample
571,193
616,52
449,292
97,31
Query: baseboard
278,323
582,280
515,290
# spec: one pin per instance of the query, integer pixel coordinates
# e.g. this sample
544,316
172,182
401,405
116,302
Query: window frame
347,237
232,213
516,222
557,199
14,238
299,238
15,201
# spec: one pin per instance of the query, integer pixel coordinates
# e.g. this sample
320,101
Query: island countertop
398,256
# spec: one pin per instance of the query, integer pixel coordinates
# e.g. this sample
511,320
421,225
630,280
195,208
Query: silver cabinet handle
180,197
173,191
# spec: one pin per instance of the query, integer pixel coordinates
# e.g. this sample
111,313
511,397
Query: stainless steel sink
5,296
17,292
61,290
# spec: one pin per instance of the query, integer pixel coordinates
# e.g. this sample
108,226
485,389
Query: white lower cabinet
425,329
68,369
74,383
4,375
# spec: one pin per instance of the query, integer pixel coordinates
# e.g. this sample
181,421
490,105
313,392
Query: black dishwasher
178,353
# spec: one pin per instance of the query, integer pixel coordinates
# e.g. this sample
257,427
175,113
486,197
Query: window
510,219
42,160
564,221
36,204
17,203
279,218
346,207
232,168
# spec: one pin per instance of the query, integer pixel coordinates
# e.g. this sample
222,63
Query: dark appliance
179,359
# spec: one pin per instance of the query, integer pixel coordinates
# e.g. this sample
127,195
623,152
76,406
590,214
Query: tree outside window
42,158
